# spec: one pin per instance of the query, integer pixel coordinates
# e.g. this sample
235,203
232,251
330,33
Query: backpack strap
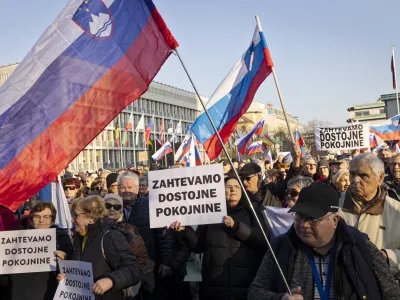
102,244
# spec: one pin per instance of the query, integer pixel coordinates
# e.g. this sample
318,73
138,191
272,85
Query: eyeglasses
292,193
46,218
232,187
75,215
68,187
301,218
113,206
248,178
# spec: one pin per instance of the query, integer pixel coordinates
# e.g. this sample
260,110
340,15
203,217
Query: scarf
372,207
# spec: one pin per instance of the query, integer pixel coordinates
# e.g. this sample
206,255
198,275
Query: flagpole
235,172
395,82
120,140
134,145
278,88
163,139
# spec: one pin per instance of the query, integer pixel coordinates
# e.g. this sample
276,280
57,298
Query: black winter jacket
41,285
231,256
360,271
121,265
158,242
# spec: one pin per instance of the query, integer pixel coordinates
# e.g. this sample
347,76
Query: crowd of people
341,241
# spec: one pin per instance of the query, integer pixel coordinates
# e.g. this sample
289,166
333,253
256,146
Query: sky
328,55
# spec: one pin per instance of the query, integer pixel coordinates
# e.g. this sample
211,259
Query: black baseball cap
316,200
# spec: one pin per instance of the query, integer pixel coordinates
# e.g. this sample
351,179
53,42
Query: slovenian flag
298,139
242,142
372,140
183,149
255,147
192,157
164,150
96,58
234,95
387,132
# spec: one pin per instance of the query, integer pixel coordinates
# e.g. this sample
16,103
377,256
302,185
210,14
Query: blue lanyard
324,293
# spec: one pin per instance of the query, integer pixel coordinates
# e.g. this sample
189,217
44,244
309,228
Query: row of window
367,112
160,108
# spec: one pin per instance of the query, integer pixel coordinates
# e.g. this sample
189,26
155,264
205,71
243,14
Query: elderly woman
72,188
294,187
114,205
144,186
114,265
232,250
341,180
42,285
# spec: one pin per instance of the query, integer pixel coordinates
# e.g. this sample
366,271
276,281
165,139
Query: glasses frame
312,221
113,206
71,188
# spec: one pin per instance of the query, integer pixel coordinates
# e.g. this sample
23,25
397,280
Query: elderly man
168,254
392,182
256,189
368,207
323,258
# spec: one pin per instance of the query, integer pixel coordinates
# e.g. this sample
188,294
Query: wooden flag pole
236,174
395,81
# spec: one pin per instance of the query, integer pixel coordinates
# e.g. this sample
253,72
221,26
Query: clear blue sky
328,55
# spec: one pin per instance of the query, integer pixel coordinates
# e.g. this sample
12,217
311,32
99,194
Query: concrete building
390,105
374,113
274,118
163,102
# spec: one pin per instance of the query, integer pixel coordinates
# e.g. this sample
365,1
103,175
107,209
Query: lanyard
324,293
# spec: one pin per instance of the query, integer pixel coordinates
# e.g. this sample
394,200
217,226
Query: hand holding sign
229,222
177,226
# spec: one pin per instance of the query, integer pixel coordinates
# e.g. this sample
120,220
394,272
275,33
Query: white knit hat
115,197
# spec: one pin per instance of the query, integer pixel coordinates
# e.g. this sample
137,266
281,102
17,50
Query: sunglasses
72,188
113,206
292,193
248,178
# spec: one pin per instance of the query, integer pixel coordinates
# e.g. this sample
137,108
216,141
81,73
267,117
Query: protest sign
27,251
78,281
342,138
193,196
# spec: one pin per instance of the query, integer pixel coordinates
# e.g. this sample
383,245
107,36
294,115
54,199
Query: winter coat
382,230
265,197
7,220
119,264
392,187
231,255
360,270
157,241
40,285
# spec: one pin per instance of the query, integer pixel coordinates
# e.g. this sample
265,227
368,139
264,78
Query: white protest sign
342,138
77,282
193,196
27,251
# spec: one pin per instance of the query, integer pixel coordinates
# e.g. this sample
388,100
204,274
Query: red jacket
7,220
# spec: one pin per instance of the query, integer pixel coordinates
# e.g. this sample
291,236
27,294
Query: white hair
339,175
300,181
372,161
128,175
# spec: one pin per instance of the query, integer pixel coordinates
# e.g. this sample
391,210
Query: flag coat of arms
91,62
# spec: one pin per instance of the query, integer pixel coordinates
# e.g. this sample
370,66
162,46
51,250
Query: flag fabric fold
72,84
234,95
183,149
241,143
164,150
255,147
298,139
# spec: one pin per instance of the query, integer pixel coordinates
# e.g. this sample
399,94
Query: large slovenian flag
95,59
298,139
164,150
234,95
388,132
255,147
242,142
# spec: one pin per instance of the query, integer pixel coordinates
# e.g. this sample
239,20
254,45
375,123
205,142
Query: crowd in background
110,214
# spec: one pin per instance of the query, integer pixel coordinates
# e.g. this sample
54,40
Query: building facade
374,113
161,102
391,107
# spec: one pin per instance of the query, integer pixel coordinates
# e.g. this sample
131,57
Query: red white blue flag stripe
255,147
241,143
164,150
234,95
92,61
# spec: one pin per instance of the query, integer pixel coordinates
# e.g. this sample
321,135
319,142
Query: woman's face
343,183
81,220
233,192
114,209
70,191
292,194
42,220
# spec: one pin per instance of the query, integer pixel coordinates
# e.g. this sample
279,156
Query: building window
382,111
362,113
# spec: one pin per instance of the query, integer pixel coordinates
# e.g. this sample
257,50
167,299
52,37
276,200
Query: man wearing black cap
257,191
322,257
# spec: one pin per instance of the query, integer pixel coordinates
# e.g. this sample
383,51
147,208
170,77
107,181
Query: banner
193,196
77,282
342,138
27,251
